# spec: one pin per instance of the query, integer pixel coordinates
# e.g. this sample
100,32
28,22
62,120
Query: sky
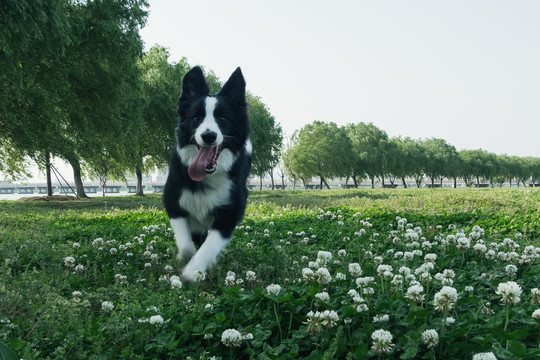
464,71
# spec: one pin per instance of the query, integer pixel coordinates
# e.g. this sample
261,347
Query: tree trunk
48,172
260,182
355,182
139,189
272,179
78,178
404,183
373,182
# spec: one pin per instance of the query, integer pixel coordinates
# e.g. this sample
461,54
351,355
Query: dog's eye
196,118
221,119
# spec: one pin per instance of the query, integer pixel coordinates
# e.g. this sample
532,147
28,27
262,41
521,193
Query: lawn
395,273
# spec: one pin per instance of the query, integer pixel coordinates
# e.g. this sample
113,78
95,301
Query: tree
266,137
160,89
409,160
101,64
321,149
35,35
367,146
440,158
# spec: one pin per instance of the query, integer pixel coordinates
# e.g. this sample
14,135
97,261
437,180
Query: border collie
205,193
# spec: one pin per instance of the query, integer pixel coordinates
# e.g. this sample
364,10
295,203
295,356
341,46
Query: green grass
281,234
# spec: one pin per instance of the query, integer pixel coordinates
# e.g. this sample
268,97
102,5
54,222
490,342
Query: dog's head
211,127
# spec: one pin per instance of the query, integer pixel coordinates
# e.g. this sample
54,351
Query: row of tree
363,151
75,84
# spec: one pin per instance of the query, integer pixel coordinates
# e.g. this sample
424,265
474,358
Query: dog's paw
188,275
185,254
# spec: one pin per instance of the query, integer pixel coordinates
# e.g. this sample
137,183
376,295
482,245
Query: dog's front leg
206,256
182,235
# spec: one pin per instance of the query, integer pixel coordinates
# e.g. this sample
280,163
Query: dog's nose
209,137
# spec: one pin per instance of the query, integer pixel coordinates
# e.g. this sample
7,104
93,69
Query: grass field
420,273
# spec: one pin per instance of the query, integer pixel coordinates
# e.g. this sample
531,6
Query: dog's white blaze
248,146
182,235
209,123
206,255
200,203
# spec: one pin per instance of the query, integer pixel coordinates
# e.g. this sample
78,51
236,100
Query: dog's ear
235,87
193,86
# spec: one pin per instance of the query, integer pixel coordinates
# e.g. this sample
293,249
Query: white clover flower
251,276
341,276
511,270
107,306
445,299
199,275
308,274
168,269
329,318
323,296
510,292
414,293
536,314
430,338
479,248
175,282
449,321
407,255
364,281
79,268
97,242
323,257
342,253
355,269
484,356
535,296
230,279
463,243
69,261
273,289
155,320
381,318
382,341
323,276
231,338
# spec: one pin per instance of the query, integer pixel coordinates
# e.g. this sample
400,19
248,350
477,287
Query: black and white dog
205,193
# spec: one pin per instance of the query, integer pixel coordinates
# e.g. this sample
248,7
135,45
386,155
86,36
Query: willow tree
320,149
266,137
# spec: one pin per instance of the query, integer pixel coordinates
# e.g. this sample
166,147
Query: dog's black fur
206,198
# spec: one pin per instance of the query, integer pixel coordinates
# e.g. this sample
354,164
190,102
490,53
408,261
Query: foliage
320,149
371,153
267,137
81,255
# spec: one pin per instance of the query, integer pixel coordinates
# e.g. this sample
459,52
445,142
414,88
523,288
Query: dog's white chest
200,204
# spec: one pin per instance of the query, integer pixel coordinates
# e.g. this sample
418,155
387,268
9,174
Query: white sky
465,71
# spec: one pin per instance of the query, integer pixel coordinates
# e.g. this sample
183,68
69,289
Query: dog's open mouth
204,163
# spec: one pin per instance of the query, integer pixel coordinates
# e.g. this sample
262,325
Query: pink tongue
197,169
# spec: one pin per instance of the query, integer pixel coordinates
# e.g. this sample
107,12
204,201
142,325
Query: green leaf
410,353
6,353
517,348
